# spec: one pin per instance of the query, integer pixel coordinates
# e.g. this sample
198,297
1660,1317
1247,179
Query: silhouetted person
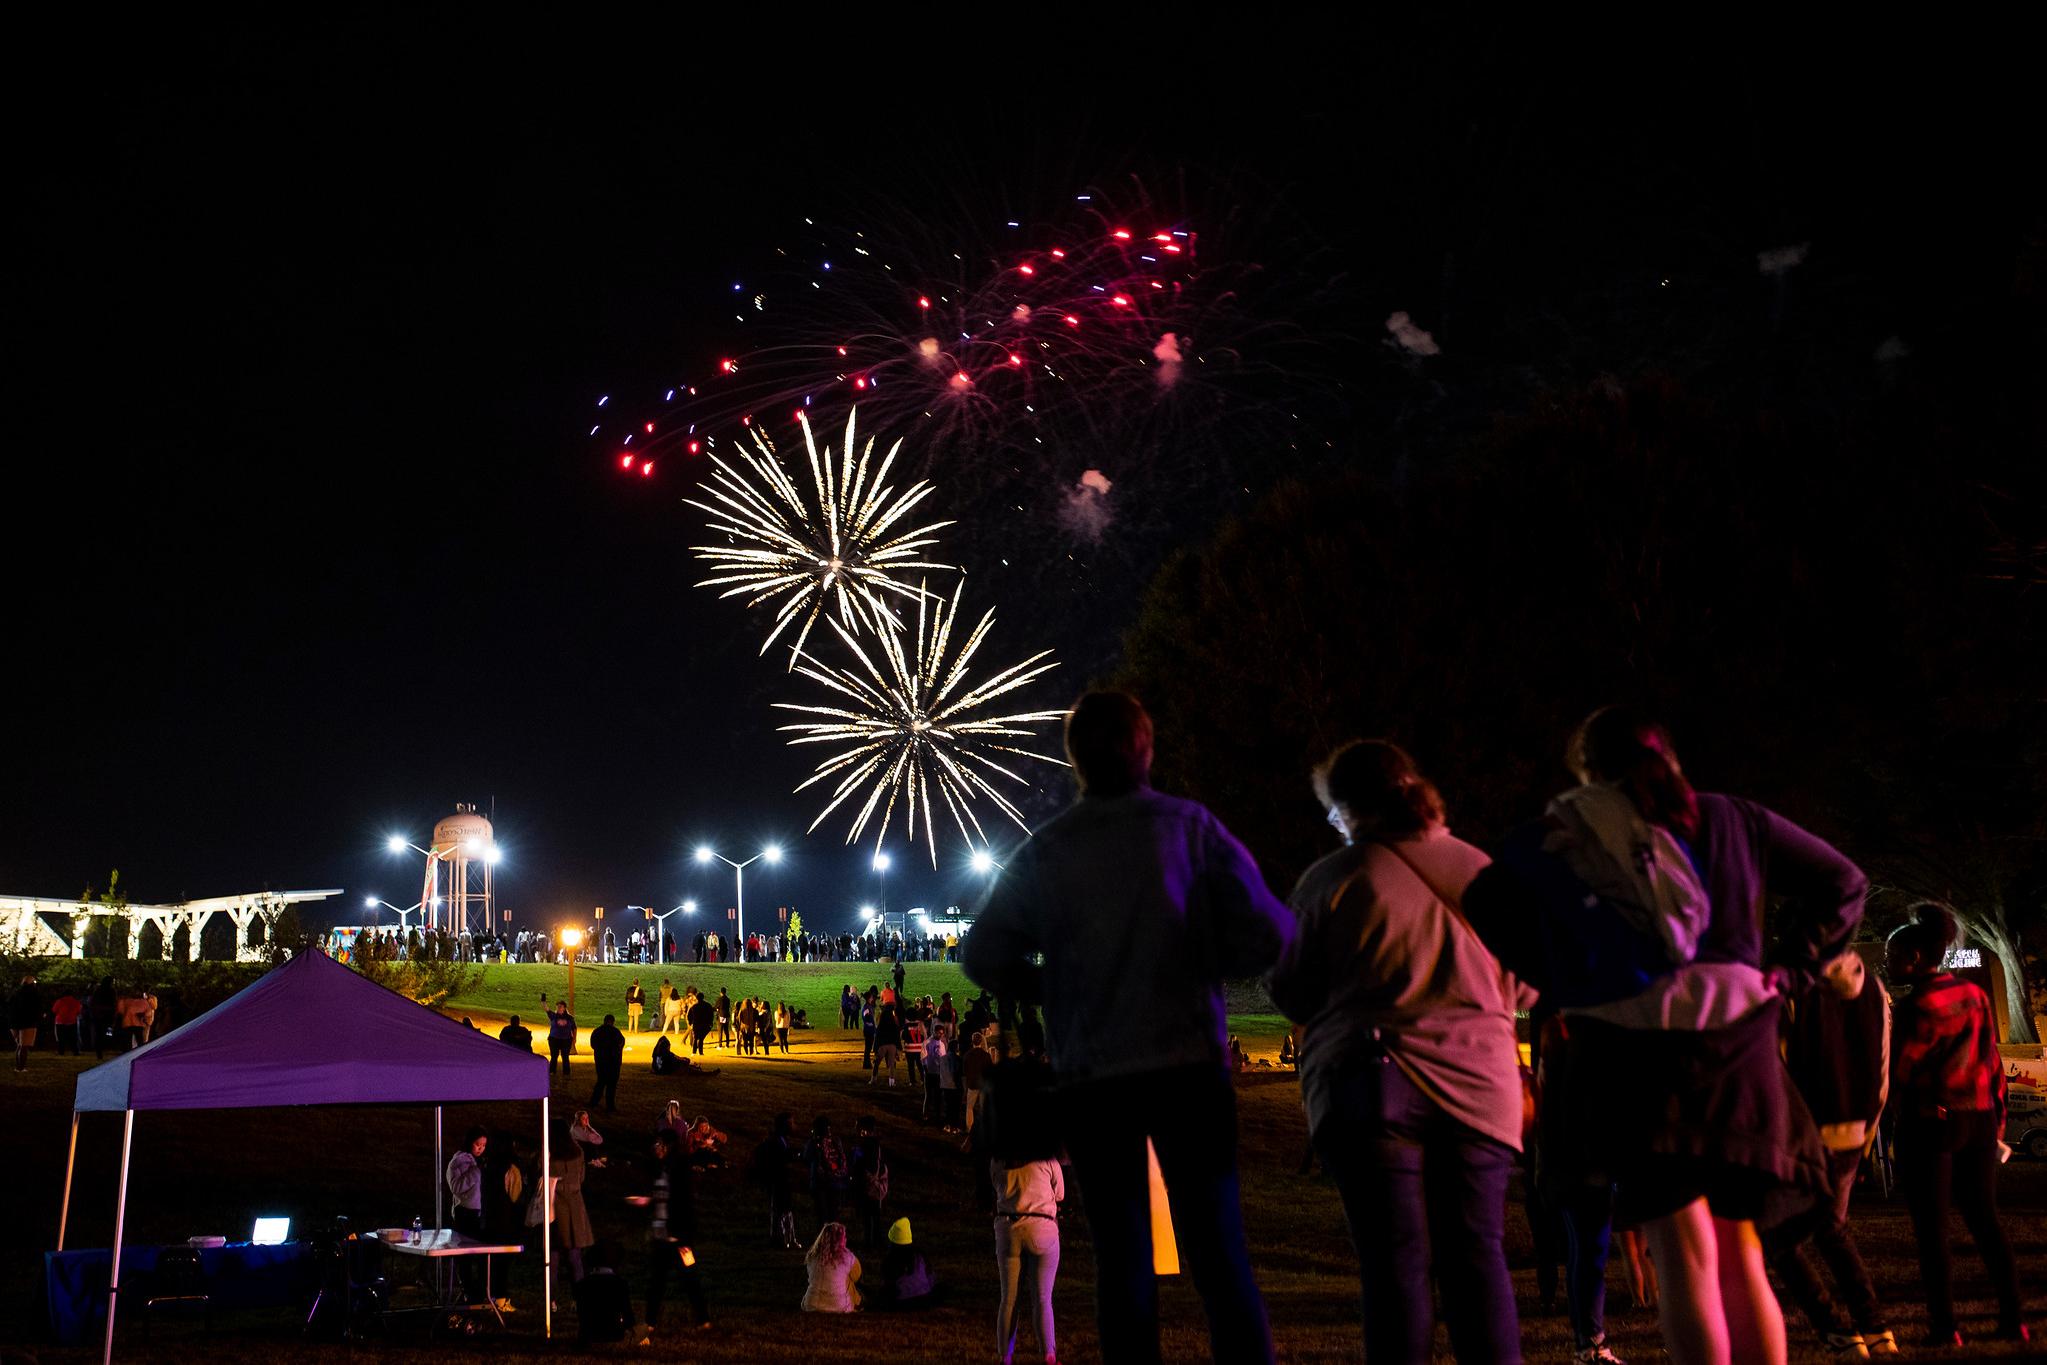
1139,903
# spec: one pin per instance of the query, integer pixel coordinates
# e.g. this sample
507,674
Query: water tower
459,898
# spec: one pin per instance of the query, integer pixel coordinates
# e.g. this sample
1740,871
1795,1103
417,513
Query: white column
120,1227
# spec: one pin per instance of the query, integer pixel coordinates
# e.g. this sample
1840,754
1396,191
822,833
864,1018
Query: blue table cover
238,1275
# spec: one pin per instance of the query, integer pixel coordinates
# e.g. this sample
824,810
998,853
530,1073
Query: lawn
212,1172
814,987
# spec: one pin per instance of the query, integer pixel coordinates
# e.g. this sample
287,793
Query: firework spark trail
911,724
832,544
1099,334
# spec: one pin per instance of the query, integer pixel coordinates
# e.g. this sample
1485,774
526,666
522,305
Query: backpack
1555,933
875,1181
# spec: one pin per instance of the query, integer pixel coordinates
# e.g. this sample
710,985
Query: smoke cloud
1411,338
1781,260
1167,353
1086,513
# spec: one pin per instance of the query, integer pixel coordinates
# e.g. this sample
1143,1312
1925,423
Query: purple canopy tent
310,1032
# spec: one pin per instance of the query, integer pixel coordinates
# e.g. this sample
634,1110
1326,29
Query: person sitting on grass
907,1283
834,1273
516,1035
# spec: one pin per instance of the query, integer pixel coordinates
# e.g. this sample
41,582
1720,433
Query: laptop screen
271,1232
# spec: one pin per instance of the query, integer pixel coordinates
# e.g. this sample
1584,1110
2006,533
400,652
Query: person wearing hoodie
1948,1085
1123,915
1837,1046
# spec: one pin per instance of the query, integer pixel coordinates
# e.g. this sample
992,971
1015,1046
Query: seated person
834,1273
664,1060
799,1018
604,1304
907,1283
517,1034
707,1144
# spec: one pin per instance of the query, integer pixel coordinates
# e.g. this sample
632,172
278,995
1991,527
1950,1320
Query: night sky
305,541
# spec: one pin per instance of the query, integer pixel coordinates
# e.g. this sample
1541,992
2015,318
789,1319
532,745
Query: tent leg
437,1168
120,1227
70,1161
547,1216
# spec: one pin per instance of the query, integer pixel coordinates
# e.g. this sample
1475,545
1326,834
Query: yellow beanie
899,1232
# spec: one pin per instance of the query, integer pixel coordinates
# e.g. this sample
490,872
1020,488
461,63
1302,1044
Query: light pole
571,940
661,925
371,903
881,865
773,853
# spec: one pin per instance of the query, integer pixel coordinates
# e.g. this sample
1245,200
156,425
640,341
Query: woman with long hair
1409,1068
834,1273
1684,1101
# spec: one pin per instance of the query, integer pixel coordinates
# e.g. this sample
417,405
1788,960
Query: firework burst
913,725
833,545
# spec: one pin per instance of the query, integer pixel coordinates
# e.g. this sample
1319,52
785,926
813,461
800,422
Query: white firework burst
832,546
913,725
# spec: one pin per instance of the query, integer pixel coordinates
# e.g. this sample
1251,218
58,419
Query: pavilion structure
34,927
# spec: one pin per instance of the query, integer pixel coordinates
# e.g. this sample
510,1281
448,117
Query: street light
371,903
661,925
983,861
881,865
571,940
773,853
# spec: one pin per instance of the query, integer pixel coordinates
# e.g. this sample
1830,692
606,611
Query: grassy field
212,1172
814,987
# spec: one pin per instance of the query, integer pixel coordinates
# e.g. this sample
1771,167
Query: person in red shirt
1948,1090
65,1015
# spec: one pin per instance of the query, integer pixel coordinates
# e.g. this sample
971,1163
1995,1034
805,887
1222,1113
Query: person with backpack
1948,1086
1412,1076
870,1181
1635,906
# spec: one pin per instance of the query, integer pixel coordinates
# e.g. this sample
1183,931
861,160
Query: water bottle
417,1226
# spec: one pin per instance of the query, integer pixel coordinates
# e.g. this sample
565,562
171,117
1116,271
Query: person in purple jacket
1689,1107
1140,904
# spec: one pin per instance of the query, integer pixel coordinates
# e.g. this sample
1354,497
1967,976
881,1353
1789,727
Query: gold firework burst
912,725
832,546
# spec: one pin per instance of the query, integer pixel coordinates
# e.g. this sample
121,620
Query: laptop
271,1232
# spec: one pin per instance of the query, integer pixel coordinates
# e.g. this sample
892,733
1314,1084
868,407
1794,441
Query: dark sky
305,545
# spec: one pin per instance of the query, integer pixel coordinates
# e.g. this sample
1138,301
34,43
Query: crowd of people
1707,1099
1702,1091
105,1018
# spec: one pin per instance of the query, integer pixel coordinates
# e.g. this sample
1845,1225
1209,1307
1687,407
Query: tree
1805,603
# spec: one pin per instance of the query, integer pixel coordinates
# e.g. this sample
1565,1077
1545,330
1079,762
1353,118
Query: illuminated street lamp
571,940
773,853
371,903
